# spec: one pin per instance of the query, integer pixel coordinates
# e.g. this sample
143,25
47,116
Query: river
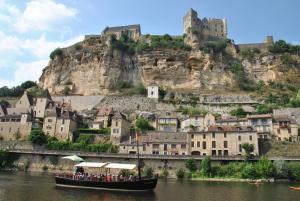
40,186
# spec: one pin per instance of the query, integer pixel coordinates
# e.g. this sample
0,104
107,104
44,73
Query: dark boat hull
140,185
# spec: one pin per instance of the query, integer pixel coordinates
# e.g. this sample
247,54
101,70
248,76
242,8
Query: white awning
90,164
120,166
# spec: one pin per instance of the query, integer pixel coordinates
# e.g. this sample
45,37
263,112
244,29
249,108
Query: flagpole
138,154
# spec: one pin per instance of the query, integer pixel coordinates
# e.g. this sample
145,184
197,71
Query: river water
35,187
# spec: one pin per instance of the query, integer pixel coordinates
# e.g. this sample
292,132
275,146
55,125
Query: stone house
232,121
15,127
222,141
197,123
153,91
60,123
262,123
120,128
285,128
291,112
103,118
167,121
157,143
132,31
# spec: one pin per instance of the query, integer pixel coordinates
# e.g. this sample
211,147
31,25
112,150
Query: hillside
100,65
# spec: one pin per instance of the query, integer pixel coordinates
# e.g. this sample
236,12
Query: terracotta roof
229,128
259,116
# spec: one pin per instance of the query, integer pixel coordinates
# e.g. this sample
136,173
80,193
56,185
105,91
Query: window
198,144
63,121
152,93
117,123
278,130
204,136
225,152
203,145
173,146
144,147
115,130
155,146
225,144
213,135
192,136
225,135
213,152
239,138
155,152
289,130
192,144
183,146
49,120
240,148
165,147
250,137
219,152
213,144
61,129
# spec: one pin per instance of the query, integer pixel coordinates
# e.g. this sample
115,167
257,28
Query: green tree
281,169
191,164
248,148
28,84
4,103
56,52
249,171
143,124
180,173
264,109
205,166
37,137
148,171
265,168
239,112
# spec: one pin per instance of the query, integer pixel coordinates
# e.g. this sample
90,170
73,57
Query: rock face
93,67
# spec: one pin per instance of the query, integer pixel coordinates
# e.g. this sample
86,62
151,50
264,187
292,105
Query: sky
31,29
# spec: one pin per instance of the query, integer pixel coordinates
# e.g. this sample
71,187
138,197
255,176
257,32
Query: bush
205,166
125,173
56,52
248,148
249,53
4,103
249,171
37,137
281,168
143,124
104,131
265,168
180,173
85,139
190,164
164,173
215,46
192,111
294,170
281,46
53,160
45,168
239,112
148,172
67,91
264,109
17,90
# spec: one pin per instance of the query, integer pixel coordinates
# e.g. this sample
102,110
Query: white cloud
43,15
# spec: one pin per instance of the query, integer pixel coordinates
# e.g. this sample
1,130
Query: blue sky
30,30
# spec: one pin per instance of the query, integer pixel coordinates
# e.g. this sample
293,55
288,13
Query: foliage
191,164
215,46
4,103
180,173
248,148
161,92
164,173
249,171
281,169
205,166
192,111
232,170
4,158
288,60
264,109
265,168
53,160
143,124
17,90
104,131
57,52
85,139
78,47
148,172
45,168
167,41
37,137
125,173
280,47
128,89
239,112
249,53
66,91
294,170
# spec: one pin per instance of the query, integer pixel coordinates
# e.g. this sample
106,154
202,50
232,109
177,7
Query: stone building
232,121
153,91
103,118
197,123
132,31
222,141
120,128
157,143
206,28
167,121
262,123
59,123
285,129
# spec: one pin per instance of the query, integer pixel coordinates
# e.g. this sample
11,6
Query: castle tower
190,21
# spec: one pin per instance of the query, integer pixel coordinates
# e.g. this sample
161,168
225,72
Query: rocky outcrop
93,67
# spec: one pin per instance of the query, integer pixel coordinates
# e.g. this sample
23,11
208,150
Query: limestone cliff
93,67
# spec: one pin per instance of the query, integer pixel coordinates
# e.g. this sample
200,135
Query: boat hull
140,185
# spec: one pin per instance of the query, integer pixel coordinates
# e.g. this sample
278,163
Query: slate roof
120,28
230,129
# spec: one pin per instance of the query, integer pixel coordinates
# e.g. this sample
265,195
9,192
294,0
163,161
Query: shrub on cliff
37,137
56,52
238,112
281,46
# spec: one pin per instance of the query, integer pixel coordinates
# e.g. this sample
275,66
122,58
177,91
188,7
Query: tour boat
125,184
106,183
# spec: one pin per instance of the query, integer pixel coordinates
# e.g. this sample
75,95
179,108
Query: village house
157,143
262,123
131,31
167,121
59,123
285,128
232,121
120,128
197,123
103,118
222,141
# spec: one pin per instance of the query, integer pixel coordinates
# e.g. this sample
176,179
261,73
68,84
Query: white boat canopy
120,166
91,164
